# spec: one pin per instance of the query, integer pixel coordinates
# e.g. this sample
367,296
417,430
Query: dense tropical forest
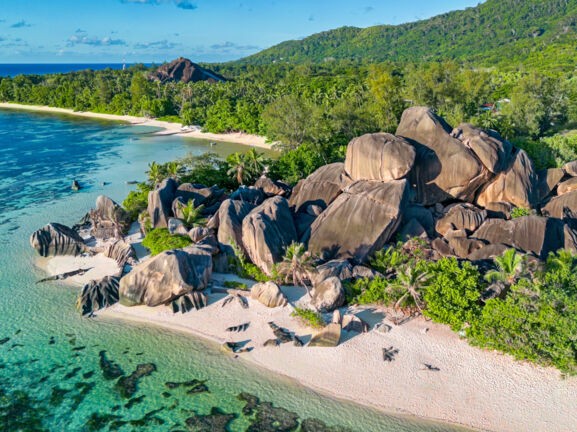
317,109
504,33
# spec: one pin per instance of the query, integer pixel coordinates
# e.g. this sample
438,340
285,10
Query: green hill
497,32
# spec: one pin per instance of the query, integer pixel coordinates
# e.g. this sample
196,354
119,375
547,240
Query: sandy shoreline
168,128
475,388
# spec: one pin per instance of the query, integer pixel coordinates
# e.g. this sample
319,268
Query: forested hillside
540,33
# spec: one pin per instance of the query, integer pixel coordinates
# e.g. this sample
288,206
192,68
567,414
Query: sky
110,31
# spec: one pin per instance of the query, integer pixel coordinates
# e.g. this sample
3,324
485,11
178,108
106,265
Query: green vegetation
453,293
533,319
159,240
536,320
502,33
309,317
519,212
243,267
296,265
236,285
192,214
137,200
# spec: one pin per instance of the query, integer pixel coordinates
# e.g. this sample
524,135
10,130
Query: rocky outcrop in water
56,239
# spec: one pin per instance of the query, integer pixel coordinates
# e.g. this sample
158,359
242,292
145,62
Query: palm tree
412,280
296,265
488,120
238,167
254,162
192,215
154,172
509,268
563,260
174,169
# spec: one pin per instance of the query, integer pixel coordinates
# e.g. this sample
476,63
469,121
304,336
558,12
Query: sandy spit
168,128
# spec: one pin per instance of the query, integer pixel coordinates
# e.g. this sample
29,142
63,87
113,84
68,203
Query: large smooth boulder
328,295
567,186
98,295
423,215
160,203
200,194
517,185
230,217
463,246
547,180
248,194
360,221
200,257
554,208
339,268
379,156
109,219
539,235
493,151
271,187
328,337
163,278
499,210
488,252
269,294
320,188
444,168
267,231
120,251
571,168
461,216
56,239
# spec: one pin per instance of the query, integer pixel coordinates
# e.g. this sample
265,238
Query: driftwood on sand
62,276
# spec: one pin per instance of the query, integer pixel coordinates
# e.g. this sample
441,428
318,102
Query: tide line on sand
168,128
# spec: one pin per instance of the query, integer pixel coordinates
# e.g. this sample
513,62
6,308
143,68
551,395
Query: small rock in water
110,370
127,385
194,386
215,421
72,373
134,401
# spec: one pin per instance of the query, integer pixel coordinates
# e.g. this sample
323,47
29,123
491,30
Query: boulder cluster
456,188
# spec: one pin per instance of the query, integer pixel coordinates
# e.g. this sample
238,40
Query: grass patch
309,317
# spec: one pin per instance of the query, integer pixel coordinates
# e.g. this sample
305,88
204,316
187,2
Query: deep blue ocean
51,376
13,69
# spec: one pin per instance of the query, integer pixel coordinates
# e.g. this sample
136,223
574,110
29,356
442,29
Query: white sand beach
475,388
168,128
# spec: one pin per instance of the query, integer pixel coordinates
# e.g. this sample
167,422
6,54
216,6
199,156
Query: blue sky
84,31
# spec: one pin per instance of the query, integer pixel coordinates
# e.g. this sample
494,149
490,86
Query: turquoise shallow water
50,377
